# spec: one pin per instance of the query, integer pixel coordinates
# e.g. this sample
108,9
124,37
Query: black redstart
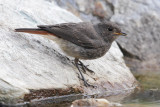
83,40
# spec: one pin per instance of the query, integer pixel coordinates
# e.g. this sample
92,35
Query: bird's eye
110,29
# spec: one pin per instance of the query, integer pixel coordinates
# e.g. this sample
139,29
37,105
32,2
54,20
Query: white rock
33,62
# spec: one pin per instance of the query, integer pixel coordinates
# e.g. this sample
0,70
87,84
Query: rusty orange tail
32,31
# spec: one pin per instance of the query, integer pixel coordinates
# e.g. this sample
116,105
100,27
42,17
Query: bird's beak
120,34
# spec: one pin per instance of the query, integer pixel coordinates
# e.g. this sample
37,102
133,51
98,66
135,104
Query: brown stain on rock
44,93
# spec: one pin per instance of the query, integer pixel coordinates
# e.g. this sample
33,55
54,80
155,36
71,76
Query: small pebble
94,103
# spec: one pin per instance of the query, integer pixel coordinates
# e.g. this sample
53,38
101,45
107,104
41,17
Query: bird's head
109,31
114,30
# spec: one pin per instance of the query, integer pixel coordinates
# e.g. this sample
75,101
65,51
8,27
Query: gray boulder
140,20
34,67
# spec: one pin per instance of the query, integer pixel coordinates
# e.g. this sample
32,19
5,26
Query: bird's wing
82,34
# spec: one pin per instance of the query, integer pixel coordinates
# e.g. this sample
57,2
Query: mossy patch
149,80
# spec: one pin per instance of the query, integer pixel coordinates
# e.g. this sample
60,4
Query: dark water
149,93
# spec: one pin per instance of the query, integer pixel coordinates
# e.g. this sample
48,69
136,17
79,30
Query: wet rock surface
35,67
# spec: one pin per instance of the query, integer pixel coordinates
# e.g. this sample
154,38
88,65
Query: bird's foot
85,67
86,83
80,73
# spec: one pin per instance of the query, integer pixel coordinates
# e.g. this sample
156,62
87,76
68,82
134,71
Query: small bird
83,40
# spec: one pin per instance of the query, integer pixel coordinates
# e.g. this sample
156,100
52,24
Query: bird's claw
84,67
91,71
86,82
89,85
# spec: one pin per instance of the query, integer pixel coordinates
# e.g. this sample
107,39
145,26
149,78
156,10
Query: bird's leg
82,77
84,67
